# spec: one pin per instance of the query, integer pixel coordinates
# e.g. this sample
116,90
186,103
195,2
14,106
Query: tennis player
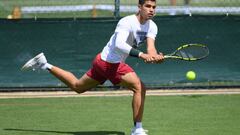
131,32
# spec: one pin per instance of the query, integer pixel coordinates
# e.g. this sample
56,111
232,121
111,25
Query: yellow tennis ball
191,75
9,17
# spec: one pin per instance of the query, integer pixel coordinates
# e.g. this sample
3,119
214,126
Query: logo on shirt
141,37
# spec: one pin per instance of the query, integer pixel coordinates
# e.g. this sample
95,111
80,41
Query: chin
149,17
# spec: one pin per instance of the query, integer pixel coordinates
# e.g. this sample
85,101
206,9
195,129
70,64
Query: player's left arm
151,50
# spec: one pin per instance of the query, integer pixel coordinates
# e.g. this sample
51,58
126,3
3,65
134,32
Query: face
147,10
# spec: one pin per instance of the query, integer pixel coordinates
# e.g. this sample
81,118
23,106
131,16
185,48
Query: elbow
120,43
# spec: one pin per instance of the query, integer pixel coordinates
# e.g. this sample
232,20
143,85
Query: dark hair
141,2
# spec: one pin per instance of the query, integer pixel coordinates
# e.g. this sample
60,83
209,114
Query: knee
139,87
75,87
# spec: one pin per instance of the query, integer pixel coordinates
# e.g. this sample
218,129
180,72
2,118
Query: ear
139,7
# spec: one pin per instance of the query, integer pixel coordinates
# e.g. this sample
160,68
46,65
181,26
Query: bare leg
79,85
132,82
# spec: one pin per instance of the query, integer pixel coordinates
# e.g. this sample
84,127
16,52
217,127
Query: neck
140,18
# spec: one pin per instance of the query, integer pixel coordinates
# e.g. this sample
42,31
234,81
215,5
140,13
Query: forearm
120,42
151,47
152,51
121,45
152,55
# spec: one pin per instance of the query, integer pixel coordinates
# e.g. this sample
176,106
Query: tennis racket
189,52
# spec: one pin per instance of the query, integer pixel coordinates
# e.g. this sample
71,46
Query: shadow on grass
72,133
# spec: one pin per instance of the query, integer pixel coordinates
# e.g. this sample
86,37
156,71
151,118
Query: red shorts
102,70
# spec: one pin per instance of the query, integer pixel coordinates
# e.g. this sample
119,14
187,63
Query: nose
151,9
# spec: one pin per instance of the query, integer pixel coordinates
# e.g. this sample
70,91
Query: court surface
46,94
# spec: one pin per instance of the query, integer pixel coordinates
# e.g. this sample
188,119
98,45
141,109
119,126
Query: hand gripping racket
189,52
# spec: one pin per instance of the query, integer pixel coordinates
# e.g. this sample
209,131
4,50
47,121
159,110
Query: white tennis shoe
139,131
36,62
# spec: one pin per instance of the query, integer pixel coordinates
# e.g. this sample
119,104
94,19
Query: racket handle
166,56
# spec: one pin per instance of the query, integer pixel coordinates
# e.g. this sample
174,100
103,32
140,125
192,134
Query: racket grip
166,56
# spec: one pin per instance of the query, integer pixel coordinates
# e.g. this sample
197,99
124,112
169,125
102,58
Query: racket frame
173,56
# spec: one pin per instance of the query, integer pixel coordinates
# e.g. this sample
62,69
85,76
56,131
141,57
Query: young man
131,31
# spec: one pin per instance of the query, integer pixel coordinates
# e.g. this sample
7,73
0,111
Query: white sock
138,125
47,66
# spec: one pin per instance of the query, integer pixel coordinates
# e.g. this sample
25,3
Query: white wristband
140,54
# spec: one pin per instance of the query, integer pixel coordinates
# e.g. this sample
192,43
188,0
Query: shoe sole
146,131
27,64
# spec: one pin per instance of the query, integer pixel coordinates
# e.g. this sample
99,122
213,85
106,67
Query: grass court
164,115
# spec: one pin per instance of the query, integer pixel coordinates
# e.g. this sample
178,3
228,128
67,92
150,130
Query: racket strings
192,52
183,54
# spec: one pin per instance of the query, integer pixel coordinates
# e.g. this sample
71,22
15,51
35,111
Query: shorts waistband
99,57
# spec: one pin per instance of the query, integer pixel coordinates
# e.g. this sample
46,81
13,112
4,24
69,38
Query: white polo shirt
128,33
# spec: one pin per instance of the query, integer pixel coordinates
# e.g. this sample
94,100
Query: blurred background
110,8
72,32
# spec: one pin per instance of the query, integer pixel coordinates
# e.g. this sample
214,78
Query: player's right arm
121,45
121,35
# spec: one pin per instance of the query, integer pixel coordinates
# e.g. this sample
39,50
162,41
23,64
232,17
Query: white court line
116,93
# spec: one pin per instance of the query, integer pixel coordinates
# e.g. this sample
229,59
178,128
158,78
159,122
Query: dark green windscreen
72,45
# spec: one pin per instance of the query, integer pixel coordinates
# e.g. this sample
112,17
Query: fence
212,22
111,8
72,44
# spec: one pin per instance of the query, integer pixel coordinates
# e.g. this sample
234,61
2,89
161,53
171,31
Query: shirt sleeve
121,34
153,30
123,25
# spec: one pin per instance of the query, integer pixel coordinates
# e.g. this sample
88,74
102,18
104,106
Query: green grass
165,115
